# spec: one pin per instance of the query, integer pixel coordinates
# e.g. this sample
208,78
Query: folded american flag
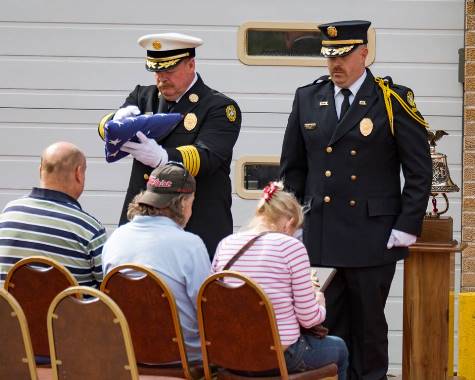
117,133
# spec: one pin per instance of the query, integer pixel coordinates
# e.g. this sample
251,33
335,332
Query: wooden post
426,301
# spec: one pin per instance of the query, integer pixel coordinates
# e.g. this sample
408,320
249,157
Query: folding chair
16,354
150,309
34,287
89,338
239,333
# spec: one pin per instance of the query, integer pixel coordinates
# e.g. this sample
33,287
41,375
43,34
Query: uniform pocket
384,206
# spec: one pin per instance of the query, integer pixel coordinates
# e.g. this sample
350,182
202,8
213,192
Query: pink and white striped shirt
279,264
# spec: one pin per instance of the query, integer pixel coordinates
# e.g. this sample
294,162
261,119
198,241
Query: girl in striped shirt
279,264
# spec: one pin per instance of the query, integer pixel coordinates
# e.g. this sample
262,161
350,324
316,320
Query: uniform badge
193,98
332,32
324,103
362,102
190,121
231,113
410,99
366,126
310,126
157,45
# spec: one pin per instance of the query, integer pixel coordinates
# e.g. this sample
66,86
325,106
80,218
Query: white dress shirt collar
354,88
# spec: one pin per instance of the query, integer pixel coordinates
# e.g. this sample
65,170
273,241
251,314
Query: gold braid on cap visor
165,62
326,51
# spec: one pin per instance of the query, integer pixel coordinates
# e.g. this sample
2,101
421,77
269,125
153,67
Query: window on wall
281,43
289,44
253,173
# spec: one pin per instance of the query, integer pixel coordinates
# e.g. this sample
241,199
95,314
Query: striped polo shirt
280,265
52,224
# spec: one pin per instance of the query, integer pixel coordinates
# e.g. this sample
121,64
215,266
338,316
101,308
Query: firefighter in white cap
203,141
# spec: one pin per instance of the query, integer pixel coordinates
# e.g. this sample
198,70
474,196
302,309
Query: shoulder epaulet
389,90
322,79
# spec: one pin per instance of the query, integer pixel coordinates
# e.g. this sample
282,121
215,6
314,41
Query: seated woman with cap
279,263
155,237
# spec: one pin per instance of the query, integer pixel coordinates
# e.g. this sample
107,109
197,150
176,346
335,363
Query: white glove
400,239
147,151
128,111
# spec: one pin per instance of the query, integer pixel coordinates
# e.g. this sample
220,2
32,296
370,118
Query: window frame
241,191
264,60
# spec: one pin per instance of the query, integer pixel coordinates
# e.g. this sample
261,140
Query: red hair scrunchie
269,191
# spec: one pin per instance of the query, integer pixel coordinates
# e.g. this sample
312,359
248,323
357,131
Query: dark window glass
258,176
282,43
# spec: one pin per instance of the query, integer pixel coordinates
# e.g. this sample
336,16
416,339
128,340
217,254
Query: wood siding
64,64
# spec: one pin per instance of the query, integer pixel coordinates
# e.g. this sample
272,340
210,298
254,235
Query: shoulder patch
410,99
231,113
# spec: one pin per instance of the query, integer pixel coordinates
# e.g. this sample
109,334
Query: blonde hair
275,203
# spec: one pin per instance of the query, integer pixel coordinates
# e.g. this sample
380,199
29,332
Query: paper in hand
321,277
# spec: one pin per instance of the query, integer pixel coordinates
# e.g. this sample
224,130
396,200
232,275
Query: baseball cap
165,183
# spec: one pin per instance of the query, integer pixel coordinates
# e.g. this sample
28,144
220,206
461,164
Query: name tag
324,103
310,125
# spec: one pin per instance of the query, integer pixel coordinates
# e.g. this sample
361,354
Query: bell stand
428,279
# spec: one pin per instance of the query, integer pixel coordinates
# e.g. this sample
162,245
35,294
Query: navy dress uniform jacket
349,183
204,148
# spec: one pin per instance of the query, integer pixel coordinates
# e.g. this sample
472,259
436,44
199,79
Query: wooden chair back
34,287
150,309
89,337
237,326
239,332
16,354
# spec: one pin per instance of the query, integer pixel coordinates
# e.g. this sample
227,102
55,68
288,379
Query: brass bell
441,181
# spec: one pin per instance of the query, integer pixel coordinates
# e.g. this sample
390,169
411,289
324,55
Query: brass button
329,149
352,203
328,173
145,177
353,152
353,177
326,199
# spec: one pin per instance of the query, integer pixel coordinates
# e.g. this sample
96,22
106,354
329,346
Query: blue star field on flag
118,132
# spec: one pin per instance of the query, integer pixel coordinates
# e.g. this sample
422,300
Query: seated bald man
50,221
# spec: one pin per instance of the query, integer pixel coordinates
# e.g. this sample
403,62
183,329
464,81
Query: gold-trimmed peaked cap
166,50
341,37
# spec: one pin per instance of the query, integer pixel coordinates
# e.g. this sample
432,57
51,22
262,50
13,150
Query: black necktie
346,102
164,106
170,105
